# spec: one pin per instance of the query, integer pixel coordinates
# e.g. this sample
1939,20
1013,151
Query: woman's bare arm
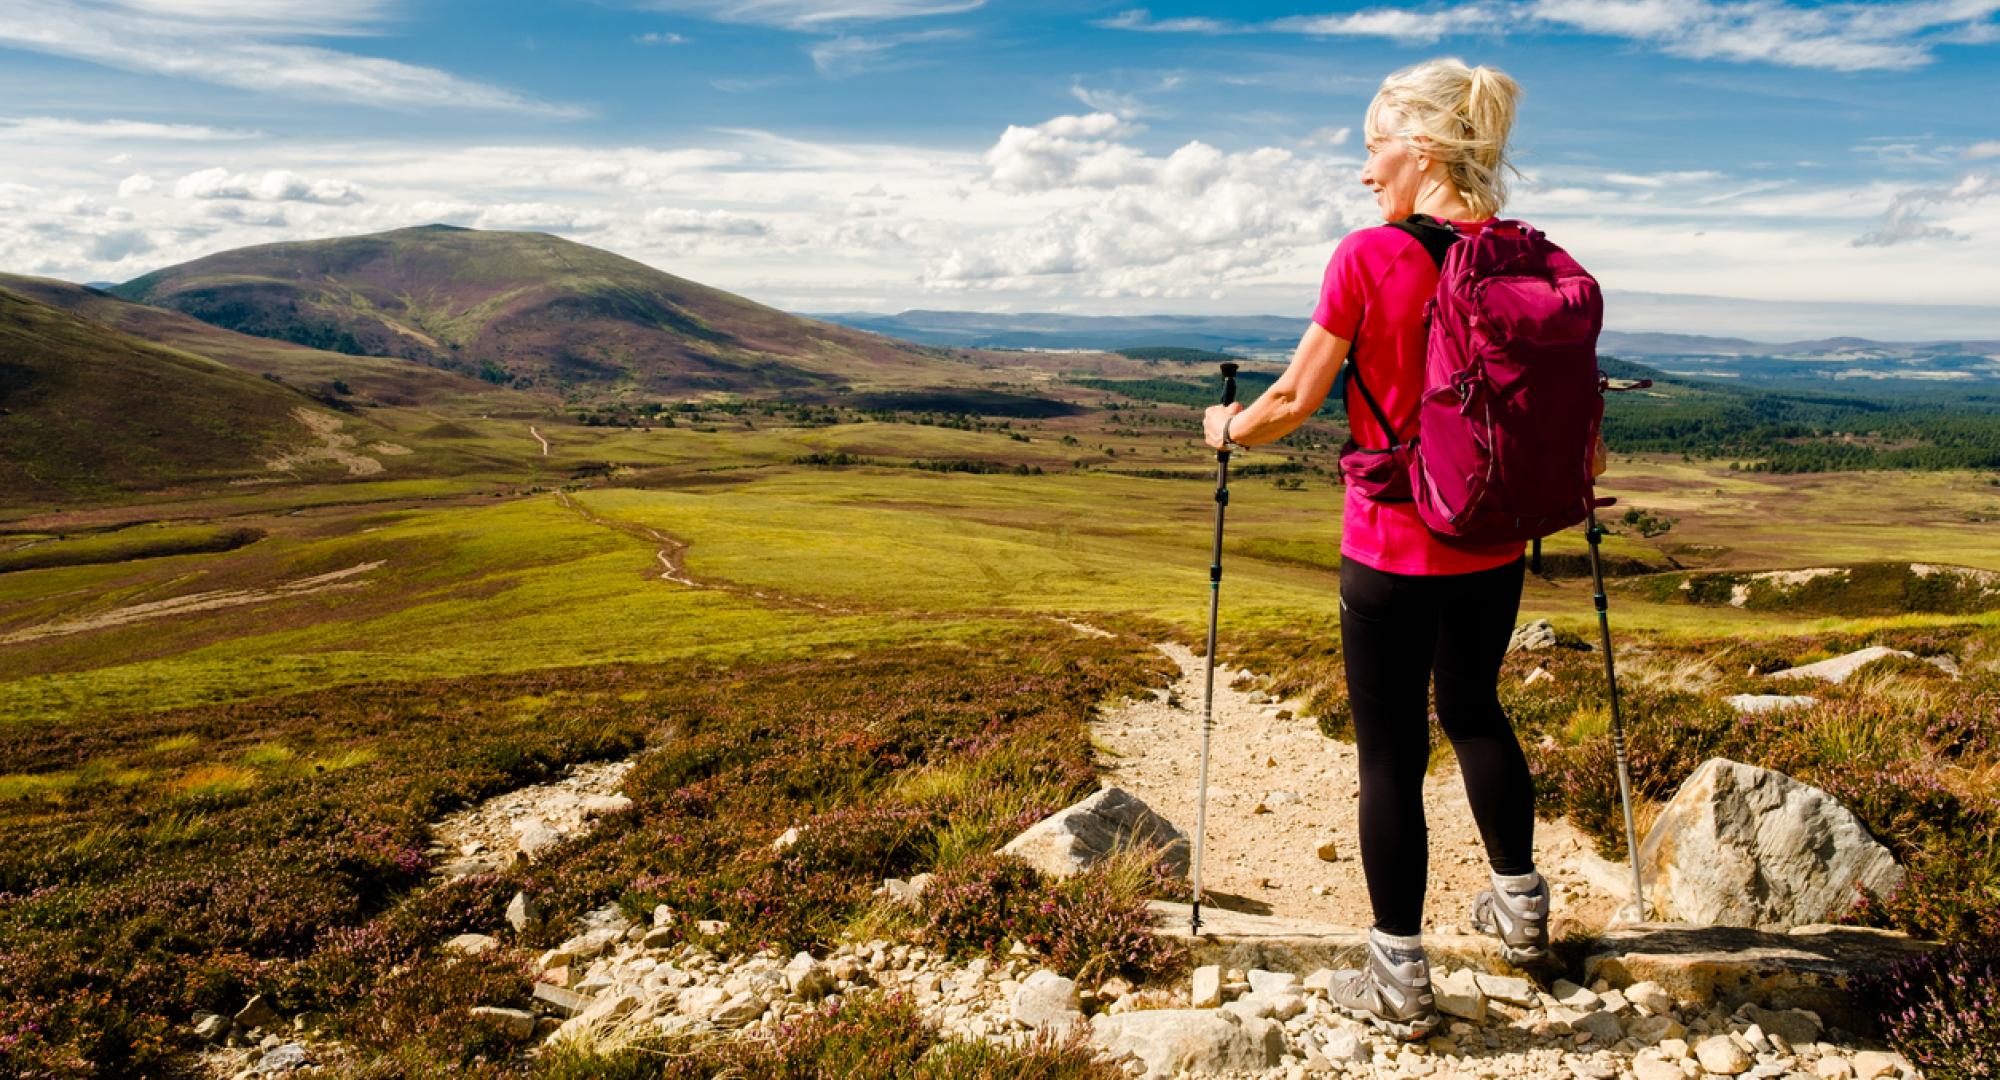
1295,396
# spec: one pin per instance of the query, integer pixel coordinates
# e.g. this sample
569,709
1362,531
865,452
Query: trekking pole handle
1229,384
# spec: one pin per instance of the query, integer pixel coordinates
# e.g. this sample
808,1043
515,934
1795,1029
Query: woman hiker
1411,607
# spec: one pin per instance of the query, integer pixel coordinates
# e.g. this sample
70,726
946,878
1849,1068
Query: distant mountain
520,308
87,411
1274,337
367,379
971,329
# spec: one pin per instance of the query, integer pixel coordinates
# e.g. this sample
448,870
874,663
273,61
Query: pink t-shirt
1373,296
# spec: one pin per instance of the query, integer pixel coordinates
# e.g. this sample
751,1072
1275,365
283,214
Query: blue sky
1752,167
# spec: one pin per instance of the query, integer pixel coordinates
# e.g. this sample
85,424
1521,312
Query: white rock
1539,675
1795,1026
1839,668
1076,838
1744,846
1507,988
1540,634
1870,1064
1651,997
786,839
738,1010
514,1023
1272,983
1046,998
1207,990
1173,1042
1342,1045
1755,704
1574,996
1720,1056
600,805
1457,993
1652,1068
472,944
1834,1067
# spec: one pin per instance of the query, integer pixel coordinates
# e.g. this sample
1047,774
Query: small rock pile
258,1041
521,824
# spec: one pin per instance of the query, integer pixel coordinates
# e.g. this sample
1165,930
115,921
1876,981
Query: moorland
304,547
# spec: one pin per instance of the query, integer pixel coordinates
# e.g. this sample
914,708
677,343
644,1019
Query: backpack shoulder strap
1436,236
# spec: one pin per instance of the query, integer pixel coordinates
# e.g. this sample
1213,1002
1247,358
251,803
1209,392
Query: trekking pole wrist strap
1229,443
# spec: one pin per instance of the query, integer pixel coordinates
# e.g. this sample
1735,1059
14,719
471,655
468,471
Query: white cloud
211,42
851,54
814,14
1840,36
1142,20
657,37
277,185
135,184
1106,101
1330,136
1912,216
1981,151
55,127
1408,27
1082,211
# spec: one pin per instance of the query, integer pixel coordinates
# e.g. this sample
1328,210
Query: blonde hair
1463,116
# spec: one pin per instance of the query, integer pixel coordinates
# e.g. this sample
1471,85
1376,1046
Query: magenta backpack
1512,397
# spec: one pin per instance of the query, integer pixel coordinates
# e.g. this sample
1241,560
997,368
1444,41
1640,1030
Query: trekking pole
1208,681
1593,531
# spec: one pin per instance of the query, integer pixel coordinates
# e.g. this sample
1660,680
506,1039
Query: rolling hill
366,379
86,411
524,310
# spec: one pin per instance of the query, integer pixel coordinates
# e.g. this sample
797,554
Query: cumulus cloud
1066,150
277,185
1094,215
135,184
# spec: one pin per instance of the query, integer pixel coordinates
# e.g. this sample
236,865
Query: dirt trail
539,439
1277,788
212,600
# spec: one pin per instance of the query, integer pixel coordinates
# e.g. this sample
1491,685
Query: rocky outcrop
1540,634
1744,846
1075,839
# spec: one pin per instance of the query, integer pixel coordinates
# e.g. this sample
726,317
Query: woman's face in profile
1391,169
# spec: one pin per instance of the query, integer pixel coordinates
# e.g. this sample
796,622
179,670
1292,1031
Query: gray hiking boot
1516,910
1393,991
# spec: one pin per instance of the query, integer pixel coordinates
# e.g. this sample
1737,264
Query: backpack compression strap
1437,239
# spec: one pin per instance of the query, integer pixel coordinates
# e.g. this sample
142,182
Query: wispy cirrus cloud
54,127
1839,37
243,45
813,14
849,54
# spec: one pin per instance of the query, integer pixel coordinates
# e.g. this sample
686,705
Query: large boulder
1839,668
1744,846
1197,1042
1073,840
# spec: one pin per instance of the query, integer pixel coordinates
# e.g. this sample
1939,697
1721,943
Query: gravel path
1278,788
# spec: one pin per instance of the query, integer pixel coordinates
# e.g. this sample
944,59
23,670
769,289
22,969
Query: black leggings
1396,631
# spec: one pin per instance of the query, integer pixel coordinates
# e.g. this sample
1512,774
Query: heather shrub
1091,926
1943,1012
